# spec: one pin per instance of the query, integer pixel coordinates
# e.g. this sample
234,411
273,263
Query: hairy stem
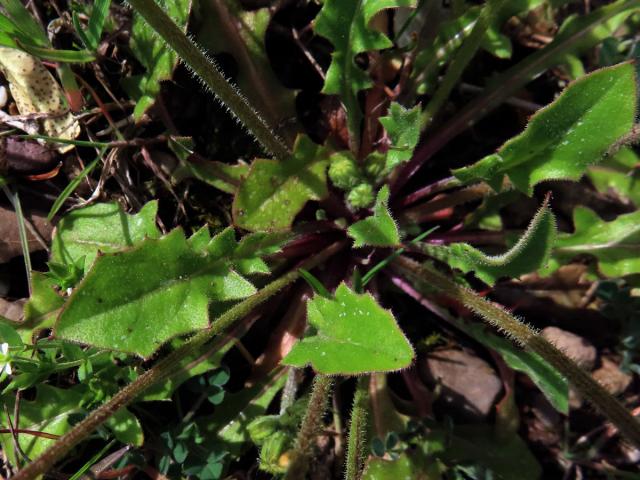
162,370
356,447
311,426
529,339
208,71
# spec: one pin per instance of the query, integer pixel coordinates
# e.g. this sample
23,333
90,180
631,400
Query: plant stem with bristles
209,73
311,426
163,369
356,447
527,338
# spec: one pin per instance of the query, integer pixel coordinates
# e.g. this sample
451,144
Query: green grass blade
23,20
86,41
66,141
92,461
22,230
73,184
96,21
54,55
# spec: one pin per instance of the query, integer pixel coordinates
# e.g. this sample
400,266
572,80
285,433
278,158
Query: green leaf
217,174
245,255
9,335
615,244
54,410
185,370
506,456
618,175
274,192
227,427
136,300
352,334
451,34
403,127
25,23
531,252
99,15
315,284
228,27
49,412
378,230
57,55
547,378
564,138
126,427
152,52
39,311
345,24
103,227
406,466
75,19
43,306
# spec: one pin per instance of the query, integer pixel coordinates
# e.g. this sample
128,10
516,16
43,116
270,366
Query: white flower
5,366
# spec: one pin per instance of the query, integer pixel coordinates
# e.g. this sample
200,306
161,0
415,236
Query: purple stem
476,238
435,187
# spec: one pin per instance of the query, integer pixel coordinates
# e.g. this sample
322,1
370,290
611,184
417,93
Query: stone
614,380
575,347
469,386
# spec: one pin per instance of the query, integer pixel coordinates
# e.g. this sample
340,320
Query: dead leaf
10,239
34,90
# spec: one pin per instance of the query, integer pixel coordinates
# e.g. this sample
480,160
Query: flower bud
374,165
361,196
273,448
263,427
343,171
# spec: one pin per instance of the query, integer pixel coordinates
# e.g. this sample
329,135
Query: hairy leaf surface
275,191
136,300
352,334
152,52
567,136
615,244
346,25
378,230
103,227
403,127
530,253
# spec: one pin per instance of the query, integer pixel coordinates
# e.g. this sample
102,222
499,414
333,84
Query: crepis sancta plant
351,219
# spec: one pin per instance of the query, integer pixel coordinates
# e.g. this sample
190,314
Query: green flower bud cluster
375,166
275,435
361,196
344,171
275,441
357,181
